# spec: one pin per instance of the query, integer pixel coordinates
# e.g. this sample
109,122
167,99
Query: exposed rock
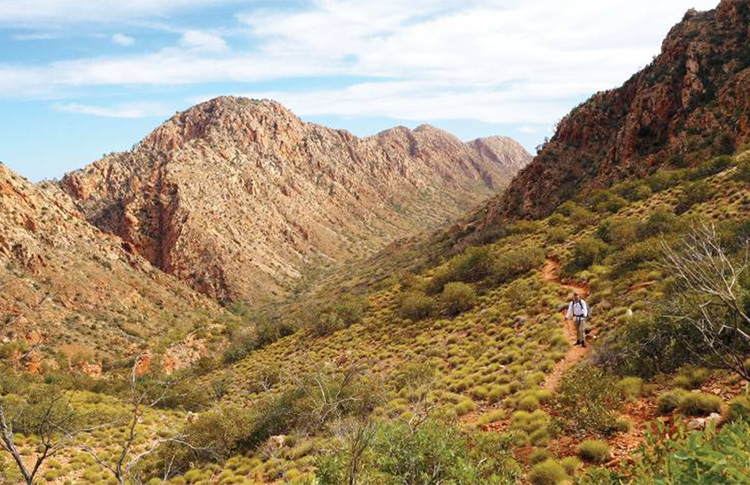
691,102
65,287
239,197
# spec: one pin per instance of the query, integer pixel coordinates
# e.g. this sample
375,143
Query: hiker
579,311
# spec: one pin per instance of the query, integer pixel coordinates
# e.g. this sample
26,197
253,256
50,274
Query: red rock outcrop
690,103
67,288
240,197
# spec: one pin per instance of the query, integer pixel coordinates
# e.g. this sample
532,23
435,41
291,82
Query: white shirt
577,309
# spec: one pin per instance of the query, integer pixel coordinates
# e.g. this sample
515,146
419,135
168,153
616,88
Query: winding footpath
576,353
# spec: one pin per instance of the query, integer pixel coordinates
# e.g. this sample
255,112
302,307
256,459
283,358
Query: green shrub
571,464
416,306
631,387
690,377
662,180
633,190
711,167
695,193
670,400
433,452
700,457
595,451
586,252
587,401
699,404
457,298
529,403
618,232
538,456
739,408
605,201
548,472
743,172
512,264
557,235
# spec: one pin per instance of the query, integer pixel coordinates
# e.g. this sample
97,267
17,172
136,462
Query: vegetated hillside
72,293
464,368
240,198
471,343
691,102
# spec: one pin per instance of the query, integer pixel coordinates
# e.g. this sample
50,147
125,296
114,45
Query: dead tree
142,396
51,420
709,299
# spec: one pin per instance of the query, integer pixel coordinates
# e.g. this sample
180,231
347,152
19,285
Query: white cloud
203,41
123,40
44,12
134,110
504,61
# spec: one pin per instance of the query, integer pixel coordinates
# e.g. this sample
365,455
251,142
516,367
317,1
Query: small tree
144,393
709,299
47,415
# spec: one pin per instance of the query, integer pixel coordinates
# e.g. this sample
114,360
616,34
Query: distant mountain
69,291
240,198
690,103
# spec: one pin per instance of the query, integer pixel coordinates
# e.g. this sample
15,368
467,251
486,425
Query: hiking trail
575,354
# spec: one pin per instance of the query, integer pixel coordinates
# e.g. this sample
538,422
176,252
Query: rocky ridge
690,103
72,296
240,197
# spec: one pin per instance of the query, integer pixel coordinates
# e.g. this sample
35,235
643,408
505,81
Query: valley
249,298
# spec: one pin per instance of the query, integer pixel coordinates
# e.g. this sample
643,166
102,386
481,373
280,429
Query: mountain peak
237,196
675,109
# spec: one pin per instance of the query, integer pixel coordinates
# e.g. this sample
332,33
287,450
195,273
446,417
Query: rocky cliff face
691,102
239,197
66,289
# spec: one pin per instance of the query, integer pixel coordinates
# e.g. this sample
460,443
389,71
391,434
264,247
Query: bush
631,387
586,252
571,464
604,201
690,377
587,400
645,347
512,264
700,457
633,190
670,400
538,456
579,217
557,235
548,472
659,222
699,404
416,306
475,264
457,298
662,180
711,167
595,451
435,452
695,193
743,172
739,408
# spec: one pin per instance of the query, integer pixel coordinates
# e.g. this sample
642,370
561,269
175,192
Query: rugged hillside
691,102
239,197
69,290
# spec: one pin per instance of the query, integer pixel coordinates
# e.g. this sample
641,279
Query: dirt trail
575,354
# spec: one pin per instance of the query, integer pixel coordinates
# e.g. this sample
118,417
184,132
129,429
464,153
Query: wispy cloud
203,41
123,40
41,12
133,110
502,61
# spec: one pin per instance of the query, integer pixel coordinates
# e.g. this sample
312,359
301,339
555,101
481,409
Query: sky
81,78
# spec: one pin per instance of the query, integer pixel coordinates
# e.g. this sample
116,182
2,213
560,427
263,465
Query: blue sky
80,78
